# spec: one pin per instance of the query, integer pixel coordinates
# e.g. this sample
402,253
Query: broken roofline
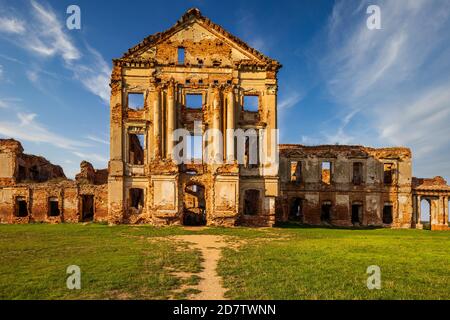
191,16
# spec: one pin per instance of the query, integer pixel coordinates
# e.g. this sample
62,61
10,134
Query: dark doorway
194,205
296,211
325,214
387,214
21,207
251,202
356,213
137,199
87,204
53,207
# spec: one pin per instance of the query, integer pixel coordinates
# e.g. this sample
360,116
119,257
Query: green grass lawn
314,263
119,262
280,263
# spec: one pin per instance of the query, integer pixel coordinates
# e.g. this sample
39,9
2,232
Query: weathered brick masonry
197,60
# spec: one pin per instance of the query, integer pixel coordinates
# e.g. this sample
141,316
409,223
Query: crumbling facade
34,190
356,186
196,78
195,59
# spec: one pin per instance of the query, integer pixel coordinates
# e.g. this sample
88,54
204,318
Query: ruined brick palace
196,76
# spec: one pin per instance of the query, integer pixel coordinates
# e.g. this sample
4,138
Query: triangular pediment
204,42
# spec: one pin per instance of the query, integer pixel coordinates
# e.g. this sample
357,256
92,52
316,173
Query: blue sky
340,82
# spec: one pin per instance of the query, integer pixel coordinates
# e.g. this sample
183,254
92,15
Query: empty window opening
194,101
251,202
87,205
22,174
387,213
251,152
21,207
200,81
357,210
181,55
325,214
425,213
216,81
194,205
194,148
137,198
296,171
136,149
53,207
251,103
136,101
388,173
296,210
326,172
357,173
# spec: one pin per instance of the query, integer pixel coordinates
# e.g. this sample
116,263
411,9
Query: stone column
157,122
419,212
446,210
171,112
216,124
116,164
230,126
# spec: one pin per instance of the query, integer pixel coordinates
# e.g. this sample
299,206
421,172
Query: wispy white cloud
44,35
290,100
91,156
27,128
51,39
395,80
12,25
97,139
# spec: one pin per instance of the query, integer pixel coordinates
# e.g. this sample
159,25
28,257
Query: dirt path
210,285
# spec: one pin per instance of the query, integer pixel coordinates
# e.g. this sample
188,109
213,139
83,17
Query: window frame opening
388,175
388,213
425,213
21,207
252,202
194,205
194,148
357,213
296,172
181,55
358,173
323,168
251,151
326,211
136,198
87,207
296,210
250,103
193,101
53,207
136,103
136,157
